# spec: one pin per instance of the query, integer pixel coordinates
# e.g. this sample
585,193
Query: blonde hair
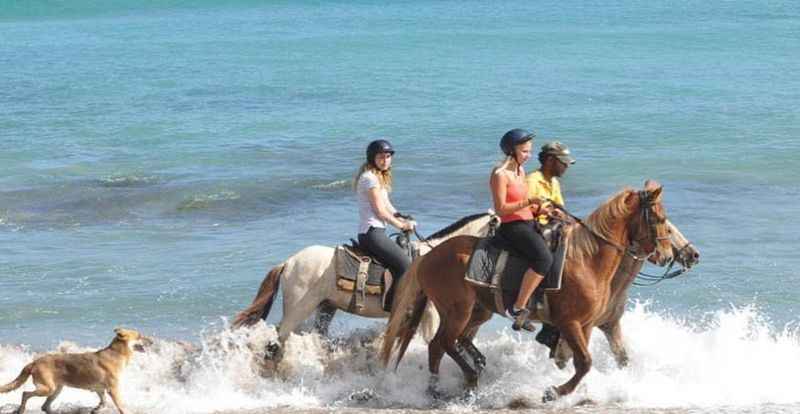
503,164
384,177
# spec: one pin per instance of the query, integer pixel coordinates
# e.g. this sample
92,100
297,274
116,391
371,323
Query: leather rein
645,204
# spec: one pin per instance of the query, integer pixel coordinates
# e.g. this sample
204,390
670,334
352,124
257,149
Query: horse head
651,231
684,252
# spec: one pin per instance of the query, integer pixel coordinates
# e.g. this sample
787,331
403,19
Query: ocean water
159,157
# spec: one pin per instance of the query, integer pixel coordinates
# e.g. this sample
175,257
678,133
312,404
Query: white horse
309,283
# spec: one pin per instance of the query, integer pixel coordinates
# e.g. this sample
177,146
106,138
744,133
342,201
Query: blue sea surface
159,157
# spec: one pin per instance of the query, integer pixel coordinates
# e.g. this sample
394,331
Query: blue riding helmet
513,138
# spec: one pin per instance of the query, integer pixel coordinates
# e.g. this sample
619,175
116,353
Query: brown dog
95,371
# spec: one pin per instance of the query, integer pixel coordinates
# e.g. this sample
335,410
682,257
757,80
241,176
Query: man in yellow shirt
554,158
543,183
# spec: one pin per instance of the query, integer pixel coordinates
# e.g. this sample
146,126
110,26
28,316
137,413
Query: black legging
384,249
528,243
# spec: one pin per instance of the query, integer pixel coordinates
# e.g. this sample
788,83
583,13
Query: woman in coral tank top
516,211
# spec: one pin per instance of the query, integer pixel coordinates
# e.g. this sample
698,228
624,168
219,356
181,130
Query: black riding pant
385,250
529,243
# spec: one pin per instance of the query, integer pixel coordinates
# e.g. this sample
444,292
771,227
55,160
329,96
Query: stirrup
521,320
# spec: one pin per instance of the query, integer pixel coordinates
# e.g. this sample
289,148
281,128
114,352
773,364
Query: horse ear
651,185
630,198
655,194
654,188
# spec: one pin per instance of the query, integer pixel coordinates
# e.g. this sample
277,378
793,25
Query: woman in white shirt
373,183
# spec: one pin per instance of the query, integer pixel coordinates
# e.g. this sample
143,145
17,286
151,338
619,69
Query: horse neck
608,258
625,274
478,228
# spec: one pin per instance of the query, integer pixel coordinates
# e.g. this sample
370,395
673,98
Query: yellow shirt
539,187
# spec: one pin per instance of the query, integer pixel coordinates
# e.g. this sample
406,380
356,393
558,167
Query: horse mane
455,226
583,242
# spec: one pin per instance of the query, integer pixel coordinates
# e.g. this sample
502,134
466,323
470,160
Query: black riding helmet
513,138
376,147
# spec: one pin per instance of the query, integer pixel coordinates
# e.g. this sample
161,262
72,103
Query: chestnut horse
684,253
631,223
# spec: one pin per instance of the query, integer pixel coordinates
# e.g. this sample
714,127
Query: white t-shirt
366,215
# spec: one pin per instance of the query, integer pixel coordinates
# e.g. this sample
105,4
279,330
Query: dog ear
123,333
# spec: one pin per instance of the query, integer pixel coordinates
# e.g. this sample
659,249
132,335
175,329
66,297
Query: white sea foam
732,360
333,185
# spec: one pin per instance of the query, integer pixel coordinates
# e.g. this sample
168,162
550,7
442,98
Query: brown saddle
360,273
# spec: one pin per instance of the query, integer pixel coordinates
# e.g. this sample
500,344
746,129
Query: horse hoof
272,351
550,394
470,396
623,362
435,394
561,364
363,396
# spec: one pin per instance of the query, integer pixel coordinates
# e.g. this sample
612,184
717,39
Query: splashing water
731,362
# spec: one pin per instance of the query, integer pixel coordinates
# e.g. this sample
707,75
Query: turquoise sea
157,158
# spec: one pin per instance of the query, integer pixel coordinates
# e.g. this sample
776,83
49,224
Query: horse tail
262,303
405,318
21,378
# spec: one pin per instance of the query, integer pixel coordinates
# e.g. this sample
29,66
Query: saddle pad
511,280
480,268
483,268
347,265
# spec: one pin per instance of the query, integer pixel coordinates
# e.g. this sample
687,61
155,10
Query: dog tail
262,303
21,378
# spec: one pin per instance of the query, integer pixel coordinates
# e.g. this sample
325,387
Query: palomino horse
309,282
630,223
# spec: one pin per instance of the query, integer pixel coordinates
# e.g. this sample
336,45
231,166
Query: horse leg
478,359
325,312
435,354
296,309
458,319
577,337
562,354
613,332
479,316
451,327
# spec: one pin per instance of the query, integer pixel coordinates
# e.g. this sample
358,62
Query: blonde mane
582,242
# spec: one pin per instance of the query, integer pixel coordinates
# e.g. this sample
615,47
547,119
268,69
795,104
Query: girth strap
359,292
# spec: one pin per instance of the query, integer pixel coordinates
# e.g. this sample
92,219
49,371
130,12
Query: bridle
646,204
647,279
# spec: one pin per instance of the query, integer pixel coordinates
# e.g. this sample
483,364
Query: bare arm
385,211
498,184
